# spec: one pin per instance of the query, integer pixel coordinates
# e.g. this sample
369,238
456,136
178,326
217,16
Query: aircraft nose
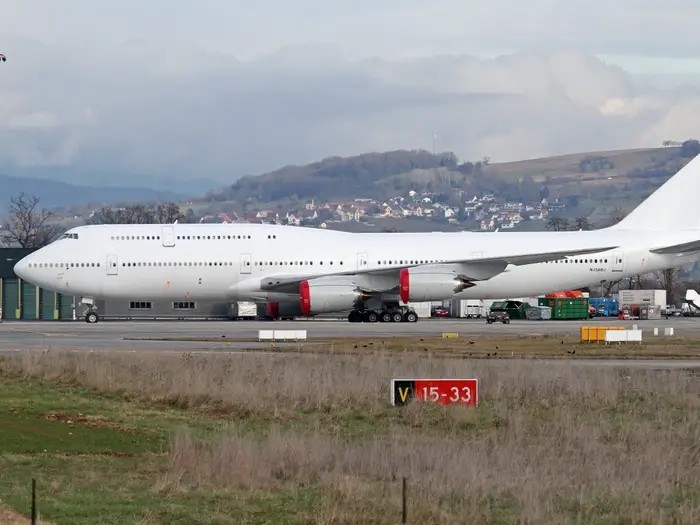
22,268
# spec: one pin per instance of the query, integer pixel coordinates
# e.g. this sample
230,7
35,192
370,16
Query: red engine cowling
317,298
417,287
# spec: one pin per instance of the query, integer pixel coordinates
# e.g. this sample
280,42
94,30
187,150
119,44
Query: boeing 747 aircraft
307,271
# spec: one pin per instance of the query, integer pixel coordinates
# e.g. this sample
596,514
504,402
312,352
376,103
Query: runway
106,335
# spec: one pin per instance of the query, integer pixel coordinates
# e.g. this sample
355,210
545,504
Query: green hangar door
65,307
29,301
10,298
47,305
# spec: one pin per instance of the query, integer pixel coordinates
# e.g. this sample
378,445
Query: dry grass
550,443
10,517
498,345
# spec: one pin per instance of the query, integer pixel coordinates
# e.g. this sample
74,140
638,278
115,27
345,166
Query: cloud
182,111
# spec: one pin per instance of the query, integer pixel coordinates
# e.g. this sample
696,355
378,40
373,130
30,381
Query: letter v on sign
402,391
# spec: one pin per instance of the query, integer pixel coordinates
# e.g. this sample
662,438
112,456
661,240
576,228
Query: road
17,335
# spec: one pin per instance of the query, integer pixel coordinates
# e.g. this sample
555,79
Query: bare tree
668,280
581,223
558,224
27,225
138,214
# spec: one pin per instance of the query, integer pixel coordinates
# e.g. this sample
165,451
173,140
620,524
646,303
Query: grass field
309,438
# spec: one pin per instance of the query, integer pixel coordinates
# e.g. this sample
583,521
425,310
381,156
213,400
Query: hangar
22,300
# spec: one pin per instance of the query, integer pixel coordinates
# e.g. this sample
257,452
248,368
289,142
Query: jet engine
416,287
326,296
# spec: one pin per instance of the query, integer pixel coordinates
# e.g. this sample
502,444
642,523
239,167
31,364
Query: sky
131,91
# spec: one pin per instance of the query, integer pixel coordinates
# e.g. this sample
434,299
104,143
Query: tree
668,279
615,216
557,224
166,213
690,148
581,223
27,225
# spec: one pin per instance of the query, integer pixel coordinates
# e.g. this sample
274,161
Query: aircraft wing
678,249
386,278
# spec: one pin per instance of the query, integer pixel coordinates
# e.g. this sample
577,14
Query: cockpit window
68,236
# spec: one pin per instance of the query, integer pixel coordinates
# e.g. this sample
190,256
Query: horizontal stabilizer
679,249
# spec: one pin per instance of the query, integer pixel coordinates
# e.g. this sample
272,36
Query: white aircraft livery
307,271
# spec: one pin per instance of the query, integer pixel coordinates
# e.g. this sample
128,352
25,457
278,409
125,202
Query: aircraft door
112,264
617,261
245,263
167,235
362,261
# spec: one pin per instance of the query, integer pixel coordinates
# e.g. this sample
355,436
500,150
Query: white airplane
307,271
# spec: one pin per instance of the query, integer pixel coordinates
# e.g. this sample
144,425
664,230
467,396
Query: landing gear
92,317
389,313
410,317
355,316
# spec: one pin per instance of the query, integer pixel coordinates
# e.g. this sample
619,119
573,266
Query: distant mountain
55,194
333,177
593,184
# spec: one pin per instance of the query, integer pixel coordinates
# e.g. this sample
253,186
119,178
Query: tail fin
673,206
691,296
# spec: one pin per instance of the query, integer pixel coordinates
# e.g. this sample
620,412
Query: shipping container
538,313
649,311
629,297
470,308
604,306
566,308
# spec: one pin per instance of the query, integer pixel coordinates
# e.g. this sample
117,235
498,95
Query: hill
54,194
591,184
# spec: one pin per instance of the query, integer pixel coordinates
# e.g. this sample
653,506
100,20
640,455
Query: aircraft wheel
411,317
371,317
396,317
385,317
91,318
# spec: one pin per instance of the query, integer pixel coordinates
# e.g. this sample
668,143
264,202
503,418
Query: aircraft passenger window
341,262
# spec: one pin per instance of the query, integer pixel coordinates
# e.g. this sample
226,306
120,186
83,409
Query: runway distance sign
442,391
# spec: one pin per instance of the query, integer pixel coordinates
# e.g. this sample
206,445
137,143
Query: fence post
33,501
403,502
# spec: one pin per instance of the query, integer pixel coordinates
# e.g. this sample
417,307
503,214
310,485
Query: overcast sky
222,88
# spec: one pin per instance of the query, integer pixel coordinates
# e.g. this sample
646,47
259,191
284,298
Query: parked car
440,311
498,315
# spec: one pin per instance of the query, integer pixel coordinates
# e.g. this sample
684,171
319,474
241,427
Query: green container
10,299
566,307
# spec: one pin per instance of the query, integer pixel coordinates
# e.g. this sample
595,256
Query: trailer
244,310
